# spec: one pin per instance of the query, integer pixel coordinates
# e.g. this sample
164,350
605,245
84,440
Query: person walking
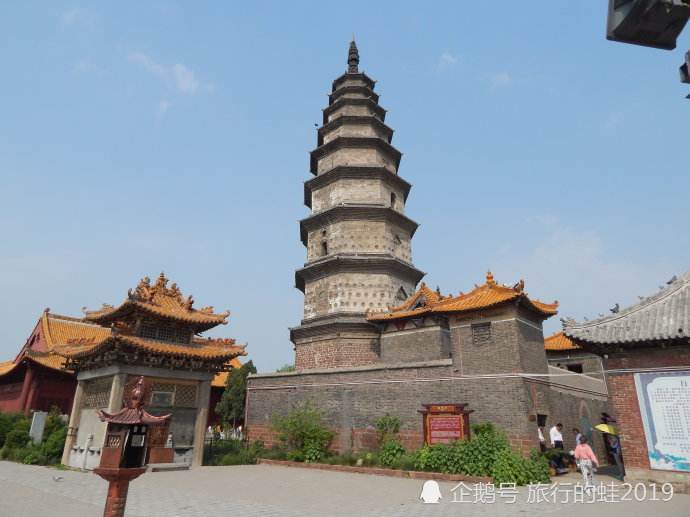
615,447
578,436
586,461
556,436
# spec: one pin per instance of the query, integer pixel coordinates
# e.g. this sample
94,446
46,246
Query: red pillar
26,387
118,486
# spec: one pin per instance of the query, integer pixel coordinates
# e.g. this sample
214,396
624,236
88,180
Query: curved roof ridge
669,290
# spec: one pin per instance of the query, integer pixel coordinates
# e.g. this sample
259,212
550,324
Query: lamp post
126,443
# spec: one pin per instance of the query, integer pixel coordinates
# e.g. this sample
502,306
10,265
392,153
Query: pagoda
154,333
357,236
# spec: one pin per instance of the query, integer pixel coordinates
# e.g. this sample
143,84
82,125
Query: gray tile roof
661,317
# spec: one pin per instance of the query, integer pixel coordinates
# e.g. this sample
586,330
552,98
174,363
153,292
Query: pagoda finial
490,278
353,58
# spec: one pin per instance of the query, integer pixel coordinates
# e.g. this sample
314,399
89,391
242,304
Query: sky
166,136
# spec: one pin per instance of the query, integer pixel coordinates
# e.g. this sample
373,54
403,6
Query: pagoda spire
353,58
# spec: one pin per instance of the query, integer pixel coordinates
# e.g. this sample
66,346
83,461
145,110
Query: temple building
371,341
645,350
562,352
82,365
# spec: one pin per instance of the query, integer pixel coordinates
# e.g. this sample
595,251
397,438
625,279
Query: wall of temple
352,400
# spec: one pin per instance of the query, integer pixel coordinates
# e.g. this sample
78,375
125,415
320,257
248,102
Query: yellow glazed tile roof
221,378
558,342
484,296
7,367
210,349
161,300
59,329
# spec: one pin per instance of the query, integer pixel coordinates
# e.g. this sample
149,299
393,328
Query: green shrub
511,467
53,445
303,433
17,438
8,421
387,428
474,457
390,452
405,462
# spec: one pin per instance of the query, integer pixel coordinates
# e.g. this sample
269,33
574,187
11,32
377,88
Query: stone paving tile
267,491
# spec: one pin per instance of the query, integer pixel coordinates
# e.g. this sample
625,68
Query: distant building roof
559,342
490,294
664,316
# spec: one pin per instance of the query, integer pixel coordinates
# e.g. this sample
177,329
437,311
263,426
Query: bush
8,421
511,467
387,428
303,433
17,438
390,452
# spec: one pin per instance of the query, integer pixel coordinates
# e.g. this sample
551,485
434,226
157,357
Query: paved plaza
262,490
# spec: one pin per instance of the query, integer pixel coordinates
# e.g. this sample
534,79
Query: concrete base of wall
679,480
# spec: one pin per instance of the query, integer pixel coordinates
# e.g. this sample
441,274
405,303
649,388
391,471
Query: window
575,367
402,295
324,248
396,241
393,199
481,333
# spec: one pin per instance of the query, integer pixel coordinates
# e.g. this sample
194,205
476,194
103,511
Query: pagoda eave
353,101
370,263
353,89
354,172
356,212
345,142
348,76
361,120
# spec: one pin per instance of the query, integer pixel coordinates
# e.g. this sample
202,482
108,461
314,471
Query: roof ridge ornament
490,279
353,58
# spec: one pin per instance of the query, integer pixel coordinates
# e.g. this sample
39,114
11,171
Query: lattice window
168,394
96,393
164,332
481,333
185,395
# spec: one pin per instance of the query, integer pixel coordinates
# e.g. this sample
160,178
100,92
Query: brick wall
352,350
416,344
624,402
353,399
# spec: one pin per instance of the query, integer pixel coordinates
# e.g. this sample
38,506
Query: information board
664,400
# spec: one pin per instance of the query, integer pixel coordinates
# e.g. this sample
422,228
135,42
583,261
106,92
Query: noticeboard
445,423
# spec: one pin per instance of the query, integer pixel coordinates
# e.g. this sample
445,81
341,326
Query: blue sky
140,137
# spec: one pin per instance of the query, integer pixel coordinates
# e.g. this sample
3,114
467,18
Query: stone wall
353,398
330,351
359,237
426,343
352,292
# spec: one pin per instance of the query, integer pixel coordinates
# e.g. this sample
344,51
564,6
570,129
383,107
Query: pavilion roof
490,294
204,349
221,378
559,342
162,301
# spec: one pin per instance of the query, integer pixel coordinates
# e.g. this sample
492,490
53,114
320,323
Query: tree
286,368
231,404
